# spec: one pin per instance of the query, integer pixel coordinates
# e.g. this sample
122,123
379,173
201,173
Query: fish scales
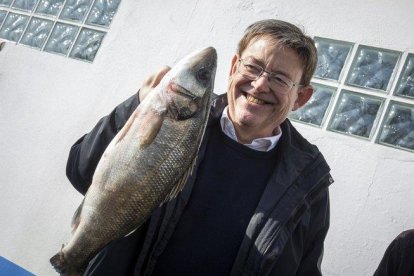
145,161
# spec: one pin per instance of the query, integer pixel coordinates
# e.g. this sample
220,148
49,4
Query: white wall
48,101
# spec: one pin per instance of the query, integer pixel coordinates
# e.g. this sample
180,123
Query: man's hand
151,82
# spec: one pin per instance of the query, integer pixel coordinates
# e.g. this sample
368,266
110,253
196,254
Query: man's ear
304,94
233,68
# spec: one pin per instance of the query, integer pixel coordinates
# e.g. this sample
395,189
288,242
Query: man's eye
252,68
280,80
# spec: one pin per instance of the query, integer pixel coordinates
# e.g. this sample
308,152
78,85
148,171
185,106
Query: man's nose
262,82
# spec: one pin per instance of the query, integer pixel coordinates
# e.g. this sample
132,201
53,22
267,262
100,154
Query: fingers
155,79
152,82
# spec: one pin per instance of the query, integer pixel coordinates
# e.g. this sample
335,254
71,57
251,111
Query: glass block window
314,111
332,55
75,10
102,12
49,7
37,32
398,126
61,39
5,3
87,44
25,5
2,16
71,28
373,68
355,114
405,85
352,86
13,26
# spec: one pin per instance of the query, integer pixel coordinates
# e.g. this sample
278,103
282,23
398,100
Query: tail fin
62,267
58,262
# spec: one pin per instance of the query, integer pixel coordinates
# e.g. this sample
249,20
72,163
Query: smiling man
257,201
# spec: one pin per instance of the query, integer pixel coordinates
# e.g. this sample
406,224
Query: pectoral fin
150,122
127,126
151,125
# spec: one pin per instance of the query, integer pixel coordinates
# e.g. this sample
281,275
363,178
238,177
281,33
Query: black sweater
222,202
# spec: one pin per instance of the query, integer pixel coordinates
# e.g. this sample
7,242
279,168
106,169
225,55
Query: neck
246,135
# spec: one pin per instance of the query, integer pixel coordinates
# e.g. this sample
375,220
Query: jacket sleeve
87,151
311,260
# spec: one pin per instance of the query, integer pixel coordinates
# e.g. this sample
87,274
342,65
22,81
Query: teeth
254,100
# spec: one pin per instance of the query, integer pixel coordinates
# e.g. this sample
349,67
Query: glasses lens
277,82
250,71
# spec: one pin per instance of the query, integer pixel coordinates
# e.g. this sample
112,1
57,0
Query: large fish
146,164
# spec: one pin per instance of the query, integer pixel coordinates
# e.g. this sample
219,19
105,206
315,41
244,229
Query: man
398,259
257,202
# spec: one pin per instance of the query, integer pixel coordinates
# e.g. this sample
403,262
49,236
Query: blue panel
8,268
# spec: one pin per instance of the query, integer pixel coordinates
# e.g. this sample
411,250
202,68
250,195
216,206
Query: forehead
270,53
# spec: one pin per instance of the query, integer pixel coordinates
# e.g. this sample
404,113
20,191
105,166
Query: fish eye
204,74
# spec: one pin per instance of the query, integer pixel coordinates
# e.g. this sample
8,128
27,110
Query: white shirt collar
261,144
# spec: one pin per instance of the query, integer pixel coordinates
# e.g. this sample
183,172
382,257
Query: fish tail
58,262
61,266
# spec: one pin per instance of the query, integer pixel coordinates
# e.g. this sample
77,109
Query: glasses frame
271,75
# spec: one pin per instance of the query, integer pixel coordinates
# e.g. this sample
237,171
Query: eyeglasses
277,82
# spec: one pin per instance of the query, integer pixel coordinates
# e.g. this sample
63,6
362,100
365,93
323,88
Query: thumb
155,79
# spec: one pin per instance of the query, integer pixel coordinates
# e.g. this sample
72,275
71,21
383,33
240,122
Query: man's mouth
252,99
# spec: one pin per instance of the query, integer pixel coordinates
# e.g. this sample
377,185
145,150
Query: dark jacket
284,237
398,259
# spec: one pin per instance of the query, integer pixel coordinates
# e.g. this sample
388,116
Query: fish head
189,84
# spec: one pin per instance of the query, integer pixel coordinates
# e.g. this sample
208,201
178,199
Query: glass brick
2,16
373,68
49,7
61,39
5,3
332,55
313,112
87,44
103,12
37,32
26,5
405,85
13,26
75,9
355,114
398,126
